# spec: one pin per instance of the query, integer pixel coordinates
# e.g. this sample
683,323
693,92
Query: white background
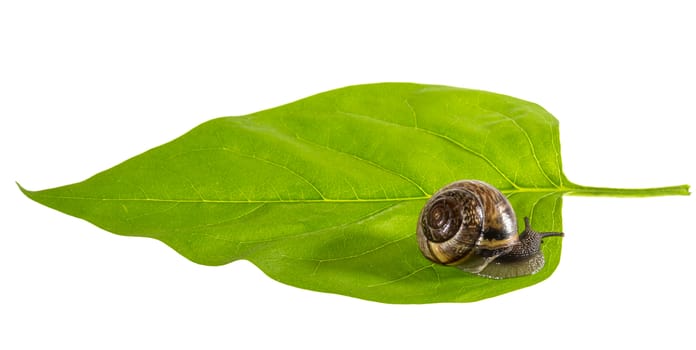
84,86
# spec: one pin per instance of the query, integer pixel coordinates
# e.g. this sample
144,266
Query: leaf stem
682,190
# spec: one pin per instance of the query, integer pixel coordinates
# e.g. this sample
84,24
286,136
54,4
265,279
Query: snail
471,225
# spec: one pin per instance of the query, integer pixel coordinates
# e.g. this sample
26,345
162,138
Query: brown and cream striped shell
467,224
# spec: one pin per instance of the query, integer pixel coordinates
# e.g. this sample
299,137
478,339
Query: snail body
471,225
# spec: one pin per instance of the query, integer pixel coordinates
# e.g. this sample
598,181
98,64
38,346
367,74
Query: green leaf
324,193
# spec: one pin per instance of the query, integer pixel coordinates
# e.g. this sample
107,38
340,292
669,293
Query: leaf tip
28,193
24,190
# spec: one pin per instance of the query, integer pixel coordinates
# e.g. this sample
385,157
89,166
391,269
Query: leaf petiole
682,190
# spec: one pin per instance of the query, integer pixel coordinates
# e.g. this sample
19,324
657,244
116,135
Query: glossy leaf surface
324,193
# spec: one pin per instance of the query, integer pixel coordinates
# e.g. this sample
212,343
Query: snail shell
471,225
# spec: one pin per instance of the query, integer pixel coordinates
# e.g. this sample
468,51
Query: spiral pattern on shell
467,223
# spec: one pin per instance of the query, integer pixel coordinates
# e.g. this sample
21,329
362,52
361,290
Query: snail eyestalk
528,229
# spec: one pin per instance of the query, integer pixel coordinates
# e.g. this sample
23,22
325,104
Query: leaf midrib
324,200
565,190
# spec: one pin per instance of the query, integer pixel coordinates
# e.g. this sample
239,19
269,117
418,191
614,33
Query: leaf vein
537,201
441,136
369,162
366,252
309,233
526,136
270,162
432,266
